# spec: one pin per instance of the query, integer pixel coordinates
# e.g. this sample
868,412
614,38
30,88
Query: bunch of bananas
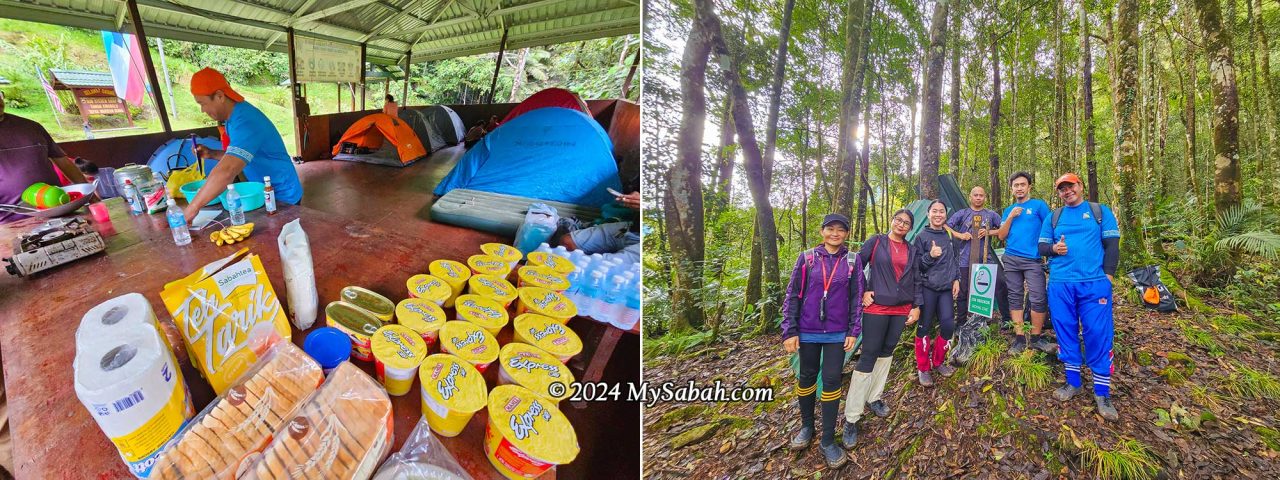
231,235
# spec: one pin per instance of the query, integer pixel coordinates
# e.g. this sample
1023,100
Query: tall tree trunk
517,80
1261,149
684,186
1273,109
864,168
955,92
775,94
1189,92
992,139
725,157
931,117
1128,162
1061,161
753,165
1086,100
1226,106
911,140
857,34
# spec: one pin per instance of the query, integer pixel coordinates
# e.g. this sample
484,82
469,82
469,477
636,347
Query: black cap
835,217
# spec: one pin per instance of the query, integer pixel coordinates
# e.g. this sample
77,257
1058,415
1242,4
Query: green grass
1000,423
1249,383
1234,324
987,356
1027,369
1270,437
1207,397
1129,459
1202,339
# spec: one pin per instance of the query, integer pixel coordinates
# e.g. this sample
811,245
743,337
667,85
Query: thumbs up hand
1060,248
1015,212
935,251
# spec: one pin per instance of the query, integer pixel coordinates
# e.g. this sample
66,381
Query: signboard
325,61
982,288
99,101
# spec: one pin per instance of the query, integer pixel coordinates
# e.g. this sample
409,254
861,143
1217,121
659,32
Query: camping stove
56,242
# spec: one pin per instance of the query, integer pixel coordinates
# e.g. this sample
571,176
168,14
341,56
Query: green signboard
982,289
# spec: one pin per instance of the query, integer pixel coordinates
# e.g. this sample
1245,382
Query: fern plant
1244,229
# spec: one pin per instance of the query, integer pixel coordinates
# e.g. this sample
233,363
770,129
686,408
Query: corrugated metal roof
433,29
81,78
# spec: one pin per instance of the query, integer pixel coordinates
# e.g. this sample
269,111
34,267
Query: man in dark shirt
960,225
25,152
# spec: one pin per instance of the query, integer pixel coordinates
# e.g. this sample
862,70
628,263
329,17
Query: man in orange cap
254,145
1082,241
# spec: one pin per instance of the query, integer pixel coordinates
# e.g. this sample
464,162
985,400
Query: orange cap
1066,177
208,80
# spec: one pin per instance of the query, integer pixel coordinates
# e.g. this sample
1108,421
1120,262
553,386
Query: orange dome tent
382,139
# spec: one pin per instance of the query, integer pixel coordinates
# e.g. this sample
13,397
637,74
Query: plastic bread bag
299,274
342,433
540,223
227,435
422,457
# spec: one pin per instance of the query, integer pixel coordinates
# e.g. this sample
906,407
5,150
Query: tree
857,34
1128,144
993,154
775,93
1226,106
930,139
1086,100
955,92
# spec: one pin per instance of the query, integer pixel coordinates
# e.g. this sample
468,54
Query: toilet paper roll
134,391
101,322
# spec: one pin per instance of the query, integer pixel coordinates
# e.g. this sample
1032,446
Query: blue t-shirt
1083,261
255,140
1024,232
962,222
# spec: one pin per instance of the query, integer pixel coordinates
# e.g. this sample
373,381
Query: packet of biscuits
343,432
234,427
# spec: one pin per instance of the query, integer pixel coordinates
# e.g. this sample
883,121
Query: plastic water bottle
234,206
544,247
560,251
178,223
631,313
589,293
614,301
132,196
268,196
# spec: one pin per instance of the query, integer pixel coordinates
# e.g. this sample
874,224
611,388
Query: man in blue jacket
1082,241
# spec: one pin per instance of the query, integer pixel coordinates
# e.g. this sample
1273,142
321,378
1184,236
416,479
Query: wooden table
39,316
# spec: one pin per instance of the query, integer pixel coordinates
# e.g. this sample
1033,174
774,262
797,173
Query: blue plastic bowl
250,193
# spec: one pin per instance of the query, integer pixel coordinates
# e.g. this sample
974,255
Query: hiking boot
1019,344
850,436
879,408
802,439
1065,392
925,379
1045,345
1105,408
946,369
834,455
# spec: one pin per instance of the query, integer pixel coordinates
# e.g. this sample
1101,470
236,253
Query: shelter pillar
502,48
136,20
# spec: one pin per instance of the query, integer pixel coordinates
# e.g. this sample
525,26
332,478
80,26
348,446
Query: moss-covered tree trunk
855,57
931,117
1226,106
1128,146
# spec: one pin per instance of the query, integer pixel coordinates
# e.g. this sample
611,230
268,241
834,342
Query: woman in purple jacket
821,320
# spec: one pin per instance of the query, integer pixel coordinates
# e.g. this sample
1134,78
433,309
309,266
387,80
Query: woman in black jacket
939,277
888,302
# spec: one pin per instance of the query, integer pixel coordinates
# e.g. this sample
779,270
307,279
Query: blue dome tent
176,153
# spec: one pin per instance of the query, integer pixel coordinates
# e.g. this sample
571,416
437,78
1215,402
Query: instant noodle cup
469,342
531,367
492,286
397,352
429,287
507,253
555,262
488,265
485,312
547,334
527,434
377,305
452,391
453,273
546,303
421,316
542,276
357,323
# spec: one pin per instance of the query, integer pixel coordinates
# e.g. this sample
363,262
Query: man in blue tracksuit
1082,242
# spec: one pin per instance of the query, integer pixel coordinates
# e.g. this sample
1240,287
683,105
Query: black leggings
832,356
937,305
880,334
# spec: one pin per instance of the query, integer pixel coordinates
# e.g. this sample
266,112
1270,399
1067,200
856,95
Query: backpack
1094,207
808,263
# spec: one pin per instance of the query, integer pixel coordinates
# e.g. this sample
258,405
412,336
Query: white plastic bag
299,274
540,223
422,456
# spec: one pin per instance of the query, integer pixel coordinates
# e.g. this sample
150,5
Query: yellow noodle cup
429,287
421,316
377,305
507,253
357,323
452,391
453,273
531,367
488,265
526,435
469,342
482,311
397,352
542,276
492,286
546,303
555,262
547,334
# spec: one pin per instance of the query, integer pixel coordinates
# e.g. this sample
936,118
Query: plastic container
452,392
492,286
397,352
430,288
178,224
547,334
542,276
531,367
485,312
547,259
488,265
377,305
545,302
252,195
469,342
328,346
506,252
356,323
545,437
422,316
453,273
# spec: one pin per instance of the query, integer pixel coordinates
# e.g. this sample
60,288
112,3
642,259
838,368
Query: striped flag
48,90
125,59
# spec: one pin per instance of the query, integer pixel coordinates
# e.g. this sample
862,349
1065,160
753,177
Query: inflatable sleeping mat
496,212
